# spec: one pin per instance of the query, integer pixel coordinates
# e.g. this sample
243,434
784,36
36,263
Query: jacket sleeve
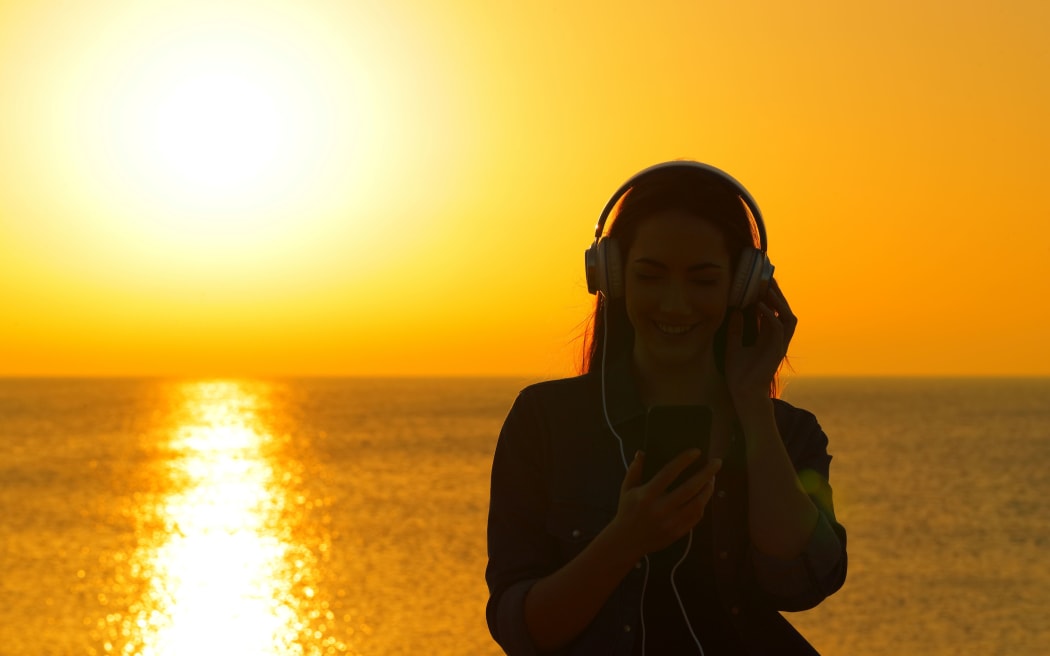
520,549
820,570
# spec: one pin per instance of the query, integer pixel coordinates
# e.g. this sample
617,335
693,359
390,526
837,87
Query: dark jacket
556,478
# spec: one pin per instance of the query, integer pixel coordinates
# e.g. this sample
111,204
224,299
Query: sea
162,517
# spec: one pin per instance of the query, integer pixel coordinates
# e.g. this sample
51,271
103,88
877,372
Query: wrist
624,545
752,403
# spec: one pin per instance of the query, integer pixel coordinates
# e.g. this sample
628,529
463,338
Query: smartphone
671,429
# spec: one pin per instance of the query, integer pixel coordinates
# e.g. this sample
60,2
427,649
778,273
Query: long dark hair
683,189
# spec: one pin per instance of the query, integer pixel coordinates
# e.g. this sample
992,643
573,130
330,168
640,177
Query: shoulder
565,405
561,394
791,419
804,439
548,414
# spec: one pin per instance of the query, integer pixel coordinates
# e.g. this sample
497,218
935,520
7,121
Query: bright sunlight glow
203,133
214,134
209,125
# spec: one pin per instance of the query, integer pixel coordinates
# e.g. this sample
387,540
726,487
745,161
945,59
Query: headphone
754,270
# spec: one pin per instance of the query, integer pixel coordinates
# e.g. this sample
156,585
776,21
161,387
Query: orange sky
254,188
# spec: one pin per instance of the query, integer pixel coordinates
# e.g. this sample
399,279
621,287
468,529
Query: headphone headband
753,272
717,174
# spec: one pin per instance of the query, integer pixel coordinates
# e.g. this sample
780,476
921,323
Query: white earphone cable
623,457
678,597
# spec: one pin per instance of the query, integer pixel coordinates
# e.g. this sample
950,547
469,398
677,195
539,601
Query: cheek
710,299
638,304
635,306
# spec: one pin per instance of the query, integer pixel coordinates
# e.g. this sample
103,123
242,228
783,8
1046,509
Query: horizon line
433,376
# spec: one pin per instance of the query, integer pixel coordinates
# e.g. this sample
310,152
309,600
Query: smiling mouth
674,329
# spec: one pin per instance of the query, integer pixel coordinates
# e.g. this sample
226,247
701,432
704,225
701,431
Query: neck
693,383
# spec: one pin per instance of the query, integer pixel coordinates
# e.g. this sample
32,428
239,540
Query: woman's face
677,276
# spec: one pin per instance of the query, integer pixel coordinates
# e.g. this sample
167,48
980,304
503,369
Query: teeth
673,330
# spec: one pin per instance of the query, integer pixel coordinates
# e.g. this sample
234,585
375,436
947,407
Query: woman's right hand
650,517
561,605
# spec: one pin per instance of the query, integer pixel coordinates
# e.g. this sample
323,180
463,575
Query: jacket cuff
802,576
513,635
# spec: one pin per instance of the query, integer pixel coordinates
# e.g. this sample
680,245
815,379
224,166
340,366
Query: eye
646,275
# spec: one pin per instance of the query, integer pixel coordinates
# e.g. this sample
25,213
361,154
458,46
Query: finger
698,505
790,323
690,514
779,302
700,500
695,484
670,472
776,331
771,324
774,286
785,317
633,477
777,298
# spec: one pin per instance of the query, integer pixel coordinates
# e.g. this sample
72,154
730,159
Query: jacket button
721,494
576,532
626,628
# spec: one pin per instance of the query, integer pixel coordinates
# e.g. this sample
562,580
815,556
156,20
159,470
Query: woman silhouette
586,556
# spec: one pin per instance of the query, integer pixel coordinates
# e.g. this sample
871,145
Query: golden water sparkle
221,570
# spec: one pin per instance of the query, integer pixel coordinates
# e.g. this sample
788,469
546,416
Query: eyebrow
701,266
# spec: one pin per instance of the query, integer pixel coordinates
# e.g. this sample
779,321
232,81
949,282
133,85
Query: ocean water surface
347,516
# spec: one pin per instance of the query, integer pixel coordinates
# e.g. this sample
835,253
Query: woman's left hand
750,369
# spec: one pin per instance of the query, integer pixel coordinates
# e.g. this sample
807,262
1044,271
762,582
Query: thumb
633,477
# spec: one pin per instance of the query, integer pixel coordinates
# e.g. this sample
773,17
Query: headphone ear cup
610,269
590,262
753,274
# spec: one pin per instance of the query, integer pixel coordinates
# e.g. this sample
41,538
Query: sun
203,135
220,134
217,134
219,121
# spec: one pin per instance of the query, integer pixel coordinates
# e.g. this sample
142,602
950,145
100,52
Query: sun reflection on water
224,574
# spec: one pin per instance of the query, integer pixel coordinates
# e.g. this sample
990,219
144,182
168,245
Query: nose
675,299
